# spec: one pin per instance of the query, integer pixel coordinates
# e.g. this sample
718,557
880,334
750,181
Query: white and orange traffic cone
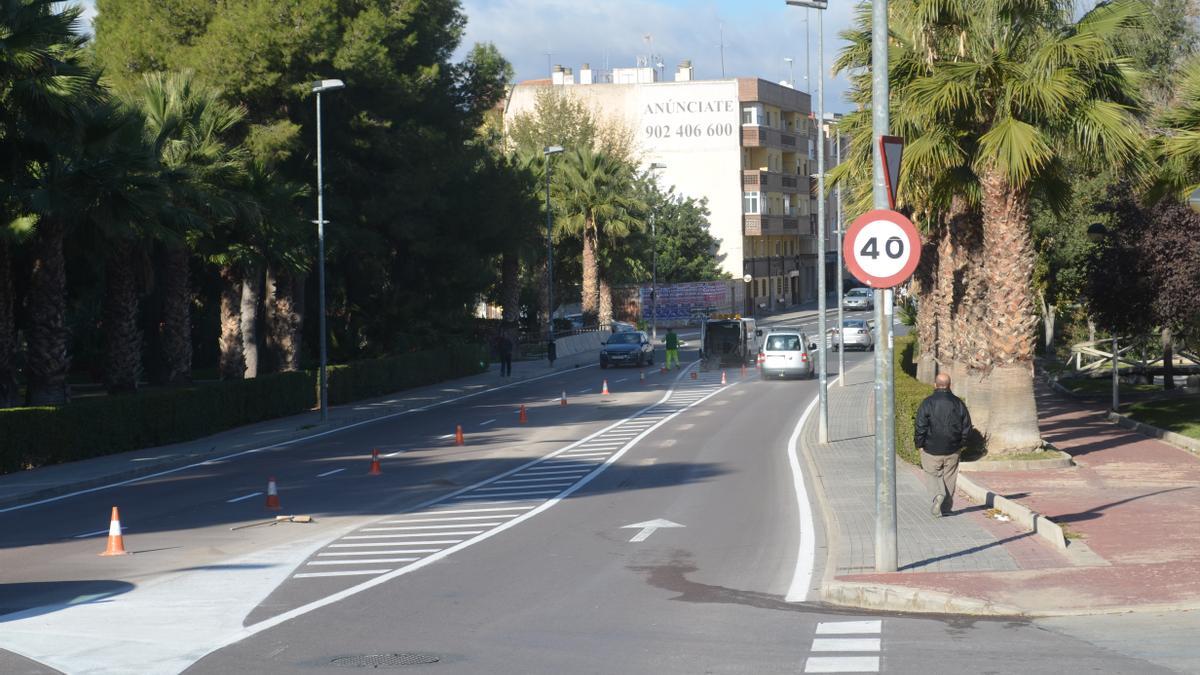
604,389
116,543
723,378
562,400
522,418
458,435
272,495
376,468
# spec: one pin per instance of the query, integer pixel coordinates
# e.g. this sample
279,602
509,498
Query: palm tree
1007,90
596,191
41,82
188,125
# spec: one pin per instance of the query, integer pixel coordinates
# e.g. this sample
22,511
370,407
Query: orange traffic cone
695,375
562,400
272,495
523,418
458,435
116,543
722,377
376,469
604,389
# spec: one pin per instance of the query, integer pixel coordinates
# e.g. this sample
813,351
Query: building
746,144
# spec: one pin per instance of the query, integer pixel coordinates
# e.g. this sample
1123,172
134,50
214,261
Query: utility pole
886,555
841,227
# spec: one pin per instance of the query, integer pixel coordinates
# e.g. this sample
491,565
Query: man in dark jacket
942,425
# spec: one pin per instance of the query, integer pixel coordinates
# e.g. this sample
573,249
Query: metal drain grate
384,660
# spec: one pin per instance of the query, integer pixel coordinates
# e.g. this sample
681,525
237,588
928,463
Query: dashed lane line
242,498
330,473
851,645
487,422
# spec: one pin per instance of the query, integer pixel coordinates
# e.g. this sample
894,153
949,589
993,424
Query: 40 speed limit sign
882,248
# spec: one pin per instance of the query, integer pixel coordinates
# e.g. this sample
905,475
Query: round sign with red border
882,248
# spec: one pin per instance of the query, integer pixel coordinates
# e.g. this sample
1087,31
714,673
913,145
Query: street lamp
1096,232
654,266
318,88
547,153
823,353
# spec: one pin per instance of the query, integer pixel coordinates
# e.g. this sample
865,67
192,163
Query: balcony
756,137
755,180
757,225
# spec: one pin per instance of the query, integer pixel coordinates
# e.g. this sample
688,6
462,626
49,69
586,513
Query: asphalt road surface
658,529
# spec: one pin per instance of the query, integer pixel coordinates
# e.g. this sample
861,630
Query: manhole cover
384,660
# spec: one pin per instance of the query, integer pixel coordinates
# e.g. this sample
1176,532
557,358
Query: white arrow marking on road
648,528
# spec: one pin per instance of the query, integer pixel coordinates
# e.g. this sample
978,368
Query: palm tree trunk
48,355
925,292
606,300
123,340
252,288
232,363
1168,349
967,297
510,287
591,273
176,328
8,332
1006,335
284,318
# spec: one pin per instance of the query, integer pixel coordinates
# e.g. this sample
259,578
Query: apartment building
745,144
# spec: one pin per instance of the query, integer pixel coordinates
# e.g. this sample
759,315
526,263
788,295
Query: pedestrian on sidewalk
940,433
672,343
504,351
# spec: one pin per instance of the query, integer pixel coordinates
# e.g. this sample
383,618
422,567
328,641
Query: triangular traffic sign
892,148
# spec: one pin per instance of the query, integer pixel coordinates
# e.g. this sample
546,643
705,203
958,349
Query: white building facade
745,144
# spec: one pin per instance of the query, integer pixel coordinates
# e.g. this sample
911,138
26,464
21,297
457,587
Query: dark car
631,348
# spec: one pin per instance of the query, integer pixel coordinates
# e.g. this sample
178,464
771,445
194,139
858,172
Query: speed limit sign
883,248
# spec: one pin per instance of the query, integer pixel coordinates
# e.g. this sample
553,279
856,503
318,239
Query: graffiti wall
680,303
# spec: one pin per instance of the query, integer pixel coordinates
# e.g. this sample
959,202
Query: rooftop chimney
685,72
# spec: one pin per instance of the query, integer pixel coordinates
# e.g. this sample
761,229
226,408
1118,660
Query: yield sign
892,149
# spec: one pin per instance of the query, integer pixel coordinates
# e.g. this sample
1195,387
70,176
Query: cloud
757,36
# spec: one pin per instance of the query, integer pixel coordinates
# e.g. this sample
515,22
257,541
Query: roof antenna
722,25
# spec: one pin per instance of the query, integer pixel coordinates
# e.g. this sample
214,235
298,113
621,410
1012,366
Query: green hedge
92,427
909,393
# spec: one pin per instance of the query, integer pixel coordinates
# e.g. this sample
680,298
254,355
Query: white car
856,333
858,298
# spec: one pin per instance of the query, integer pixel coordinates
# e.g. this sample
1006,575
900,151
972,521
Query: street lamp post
654,265
318,88
823,347
547,153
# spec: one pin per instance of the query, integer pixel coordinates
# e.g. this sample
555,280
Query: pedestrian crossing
479,511
846,647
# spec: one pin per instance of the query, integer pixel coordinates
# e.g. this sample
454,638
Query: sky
758,36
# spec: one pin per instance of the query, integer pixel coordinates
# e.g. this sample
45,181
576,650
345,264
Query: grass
1103,387
1180,414
909,393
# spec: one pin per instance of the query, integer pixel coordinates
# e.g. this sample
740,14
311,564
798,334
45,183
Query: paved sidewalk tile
846,472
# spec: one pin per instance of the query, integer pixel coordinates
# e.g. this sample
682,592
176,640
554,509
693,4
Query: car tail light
804,357
762,357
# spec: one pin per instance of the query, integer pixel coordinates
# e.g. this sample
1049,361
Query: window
750,202
783,343
778,248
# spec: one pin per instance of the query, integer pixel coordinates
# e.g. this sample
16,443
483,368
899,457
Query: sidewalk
51,481
1131,506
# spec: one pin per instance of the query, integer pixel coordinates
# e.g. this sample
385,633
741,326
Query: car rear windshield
783,343
625,339
858,291
854,323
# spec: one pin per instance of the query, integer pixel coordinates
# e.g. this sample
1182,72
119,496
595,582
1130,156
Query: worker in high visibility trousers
672,343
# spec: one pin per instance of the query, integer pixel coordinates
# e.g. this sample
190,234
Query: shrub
376,377
909,393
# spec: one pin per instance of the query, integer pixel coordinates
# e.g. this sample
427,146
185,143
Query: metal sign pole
841,232
886,557
823,355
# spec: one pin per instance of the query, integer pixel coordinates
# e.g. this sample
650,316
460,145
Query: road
656,529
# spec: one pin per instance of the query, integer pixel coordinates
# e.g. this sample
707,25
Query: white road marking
487,422
393,454
594,453
329,473
583,391
446,436
424,527
440,520
648,528
384,552
842,664
400,543
621,380
849,627
550,471
243,497
421,534
92,534
566,480
806,555
521,493
845,645
344,573
365,561
490,510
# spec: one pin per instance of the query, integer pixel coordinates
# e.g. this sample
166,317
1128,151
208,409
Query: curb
904,599
1062,461
1178,440
1022,515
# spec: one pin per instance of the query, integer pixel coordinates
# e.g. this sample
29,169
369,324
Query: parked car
622,327
631,348
786,354
728,342
856,333
858,298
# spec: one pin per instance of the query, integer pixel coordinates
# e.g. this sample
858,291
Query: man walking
672,343
504,350
941,429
